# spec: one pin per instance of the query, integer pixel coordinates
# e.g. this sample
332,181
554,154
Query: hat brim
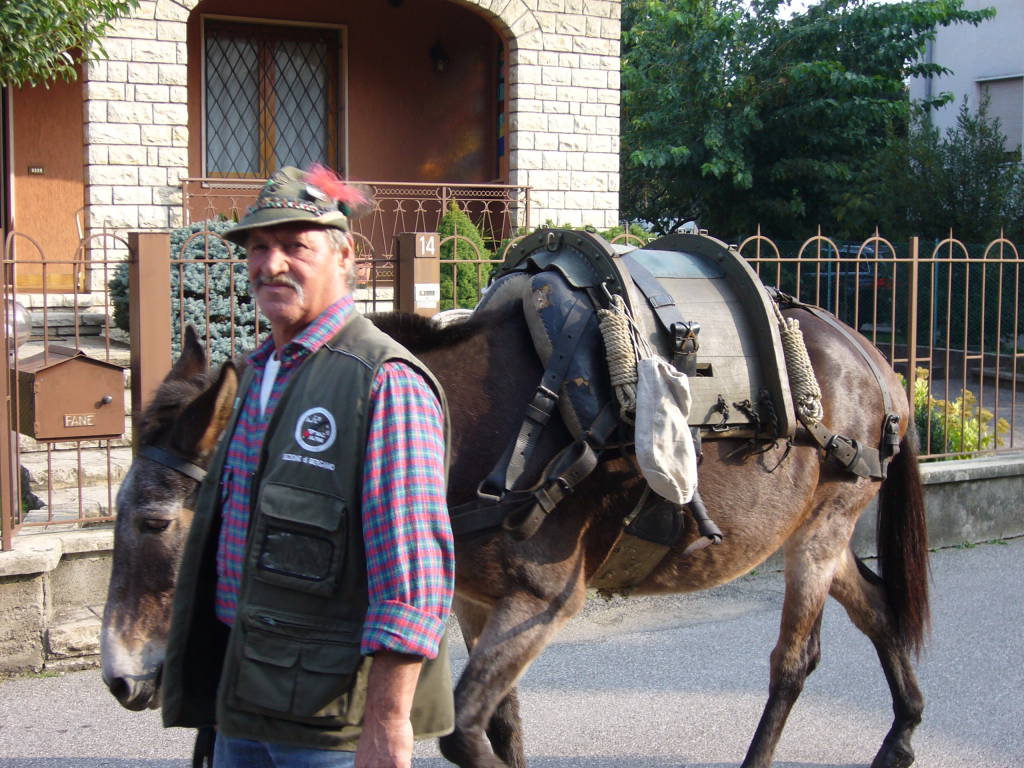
272,217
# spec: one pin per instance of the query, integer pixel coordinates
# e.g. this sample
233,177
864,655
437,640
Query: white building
986,60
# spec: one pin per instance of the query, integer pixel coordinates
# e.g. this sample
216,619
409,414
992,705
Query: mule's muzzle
135,692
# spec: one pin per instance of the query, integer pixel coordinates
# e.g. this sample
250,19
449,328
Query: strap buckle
685,345
541,405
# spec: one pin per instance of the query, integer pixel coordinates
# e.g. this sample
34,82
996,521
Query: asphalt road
673,681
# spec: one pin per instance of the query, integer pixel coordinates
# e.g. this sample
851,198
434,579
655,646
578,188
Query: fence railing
497,210
946,314
47,483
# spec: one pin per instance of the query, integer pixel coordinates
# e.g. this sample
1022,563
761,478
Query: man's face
295,273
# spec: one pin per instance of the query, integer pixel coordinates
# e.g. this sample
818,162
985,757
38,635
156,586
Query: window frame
982,87
337,117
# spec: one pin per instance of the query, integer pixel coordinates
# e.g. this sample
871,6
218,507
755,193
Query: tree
462,241
40,40
735,116
929,183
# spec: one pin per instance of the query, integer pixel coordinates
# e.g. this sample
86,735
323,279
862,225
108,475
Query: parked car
854,284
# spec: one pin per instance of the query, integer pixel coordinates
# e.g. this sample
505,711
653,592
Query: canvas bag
664,445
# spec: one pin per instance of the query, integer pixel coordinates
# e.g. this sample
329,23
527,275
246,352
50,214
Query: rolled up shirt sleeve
409,551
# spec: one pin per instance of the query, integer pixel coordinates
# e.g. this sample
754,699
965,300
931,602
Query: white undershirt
269,375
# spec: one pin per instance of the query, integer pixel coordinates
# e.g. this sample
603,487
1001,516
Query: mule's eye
155,524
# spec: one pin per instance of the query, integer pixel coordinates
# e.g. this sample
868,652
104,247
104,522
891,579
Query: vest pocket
299,538
293,671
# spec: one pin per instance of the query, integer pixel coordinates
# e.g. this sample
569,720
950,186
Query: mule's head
154,513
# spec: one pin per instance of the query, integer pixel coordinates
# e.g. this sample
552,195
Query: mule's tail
903,545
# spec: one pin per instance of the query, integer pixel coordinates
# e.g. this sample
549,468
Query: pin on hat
317,196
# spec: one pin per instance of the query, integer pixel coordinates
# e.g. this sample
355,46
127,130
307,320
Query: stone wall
564,88
52,590
563,112
136,131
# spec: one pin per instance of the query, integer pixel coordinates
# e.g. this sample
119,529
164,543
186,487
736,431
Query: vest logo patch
315,430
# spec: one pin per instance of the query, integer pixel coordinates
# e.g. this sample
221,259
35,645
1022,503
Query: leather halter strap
173,461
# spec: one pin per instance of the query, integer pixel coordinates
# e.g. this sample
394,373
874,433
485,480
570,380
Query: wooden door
48,191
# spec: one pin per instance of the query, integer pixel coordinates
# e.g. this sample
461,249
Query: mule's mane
421,334
416,333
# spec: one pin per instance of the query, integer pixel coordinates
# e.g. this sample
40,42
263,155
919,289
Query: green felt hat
317,196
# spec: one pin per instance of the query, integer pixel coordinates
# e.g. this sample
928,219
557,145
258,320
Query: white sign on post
427,295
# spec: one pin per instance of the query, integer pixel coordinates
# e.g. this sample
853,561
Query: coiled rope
802,382
624,345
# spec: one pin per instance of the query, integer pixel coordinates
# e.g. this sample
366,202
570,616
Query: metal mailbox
63,394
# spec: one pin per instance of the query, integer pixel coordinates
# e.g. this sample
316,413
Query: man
308,621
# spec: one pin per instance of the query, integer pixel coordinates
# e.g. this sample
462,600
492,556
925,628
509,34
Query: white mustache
286,280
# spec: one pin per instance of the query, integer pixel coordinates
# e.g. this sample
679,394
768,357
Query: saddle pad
740,356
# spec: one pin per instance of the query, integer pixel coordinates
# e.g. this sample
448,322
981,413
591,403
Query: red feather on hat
332,185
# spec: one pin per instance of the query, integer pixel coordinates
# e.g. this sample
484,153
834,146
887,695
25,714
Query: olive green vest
290,669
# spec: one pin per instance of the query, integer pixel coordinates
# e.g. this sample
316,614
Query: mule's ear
192,361
201,423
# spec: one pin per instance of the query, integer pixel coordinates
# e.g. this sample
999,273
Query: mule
513,595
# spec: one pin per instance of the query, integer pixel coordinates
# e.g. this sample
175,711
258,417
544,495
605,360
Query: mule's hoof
467,751
893,757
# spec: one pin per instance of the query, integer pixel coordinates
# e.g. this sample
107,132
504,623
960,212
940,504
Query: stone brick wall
564,112
564,109
136,131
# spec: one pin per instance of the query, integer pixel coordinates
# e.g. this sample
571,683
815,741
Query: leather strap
861,460
682,333
522,512
510,467
564,472
173,461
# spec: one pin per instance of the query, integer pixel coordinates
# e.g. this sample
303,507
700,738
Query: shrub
199,288
466,244
960,427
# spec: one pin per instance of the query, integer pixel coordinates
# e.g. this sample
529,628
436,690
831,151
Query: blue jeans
243,753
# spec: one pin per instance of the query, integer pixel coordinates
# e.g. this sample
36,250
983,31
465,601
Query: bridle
172,461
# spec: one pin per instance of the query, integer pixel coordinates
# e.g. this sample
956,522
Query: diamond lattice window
271,98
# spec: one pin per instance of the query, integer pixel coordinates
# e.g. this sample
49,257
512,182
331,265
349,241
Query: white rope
802,382
623,346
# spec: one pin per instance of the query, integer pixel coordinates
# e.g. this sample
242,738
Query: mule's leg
505,730
519,627
862,594
809,572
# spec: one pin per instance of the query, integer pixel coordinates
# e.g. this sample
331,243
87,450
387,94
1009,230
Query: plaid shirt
406,531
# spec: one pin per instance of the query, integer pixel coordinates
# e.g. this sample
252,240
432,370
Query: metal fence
946,314
497,210
46,483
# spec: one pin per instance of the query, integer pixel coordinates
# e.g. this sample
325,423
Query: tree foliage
733,115
462,241
932,183
41,39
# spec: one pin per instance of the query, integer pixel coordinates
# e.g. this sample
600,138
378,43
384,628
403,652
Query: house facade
986,61
514,92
